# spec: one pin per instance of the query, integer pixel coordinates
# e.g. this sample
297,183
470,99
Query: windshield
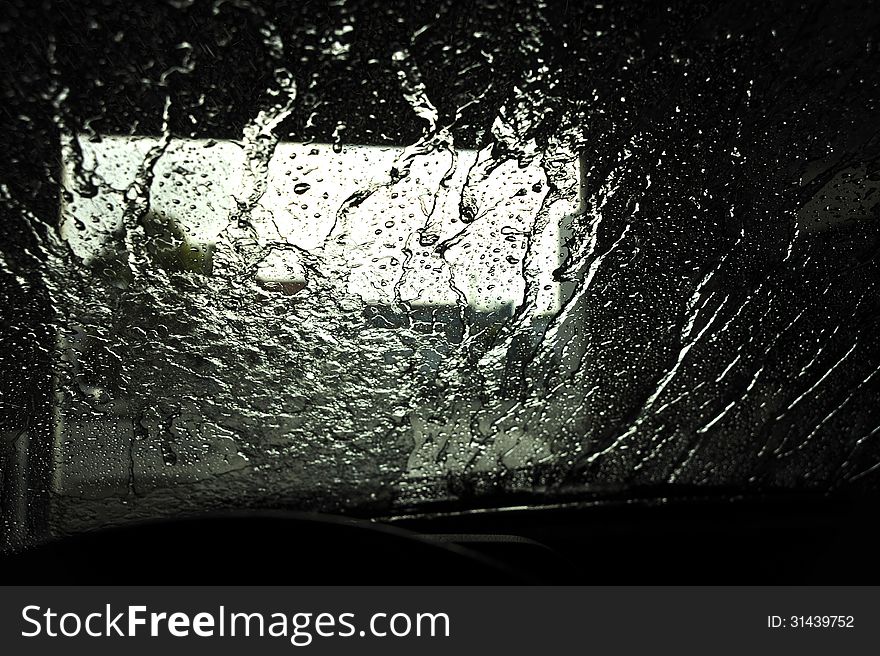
372,258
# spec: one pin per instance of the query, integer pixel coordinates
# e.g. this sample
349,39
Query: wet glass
383,258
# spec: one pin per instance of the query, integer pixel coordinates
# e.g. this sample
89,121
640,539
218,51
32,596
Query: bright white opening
199,185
